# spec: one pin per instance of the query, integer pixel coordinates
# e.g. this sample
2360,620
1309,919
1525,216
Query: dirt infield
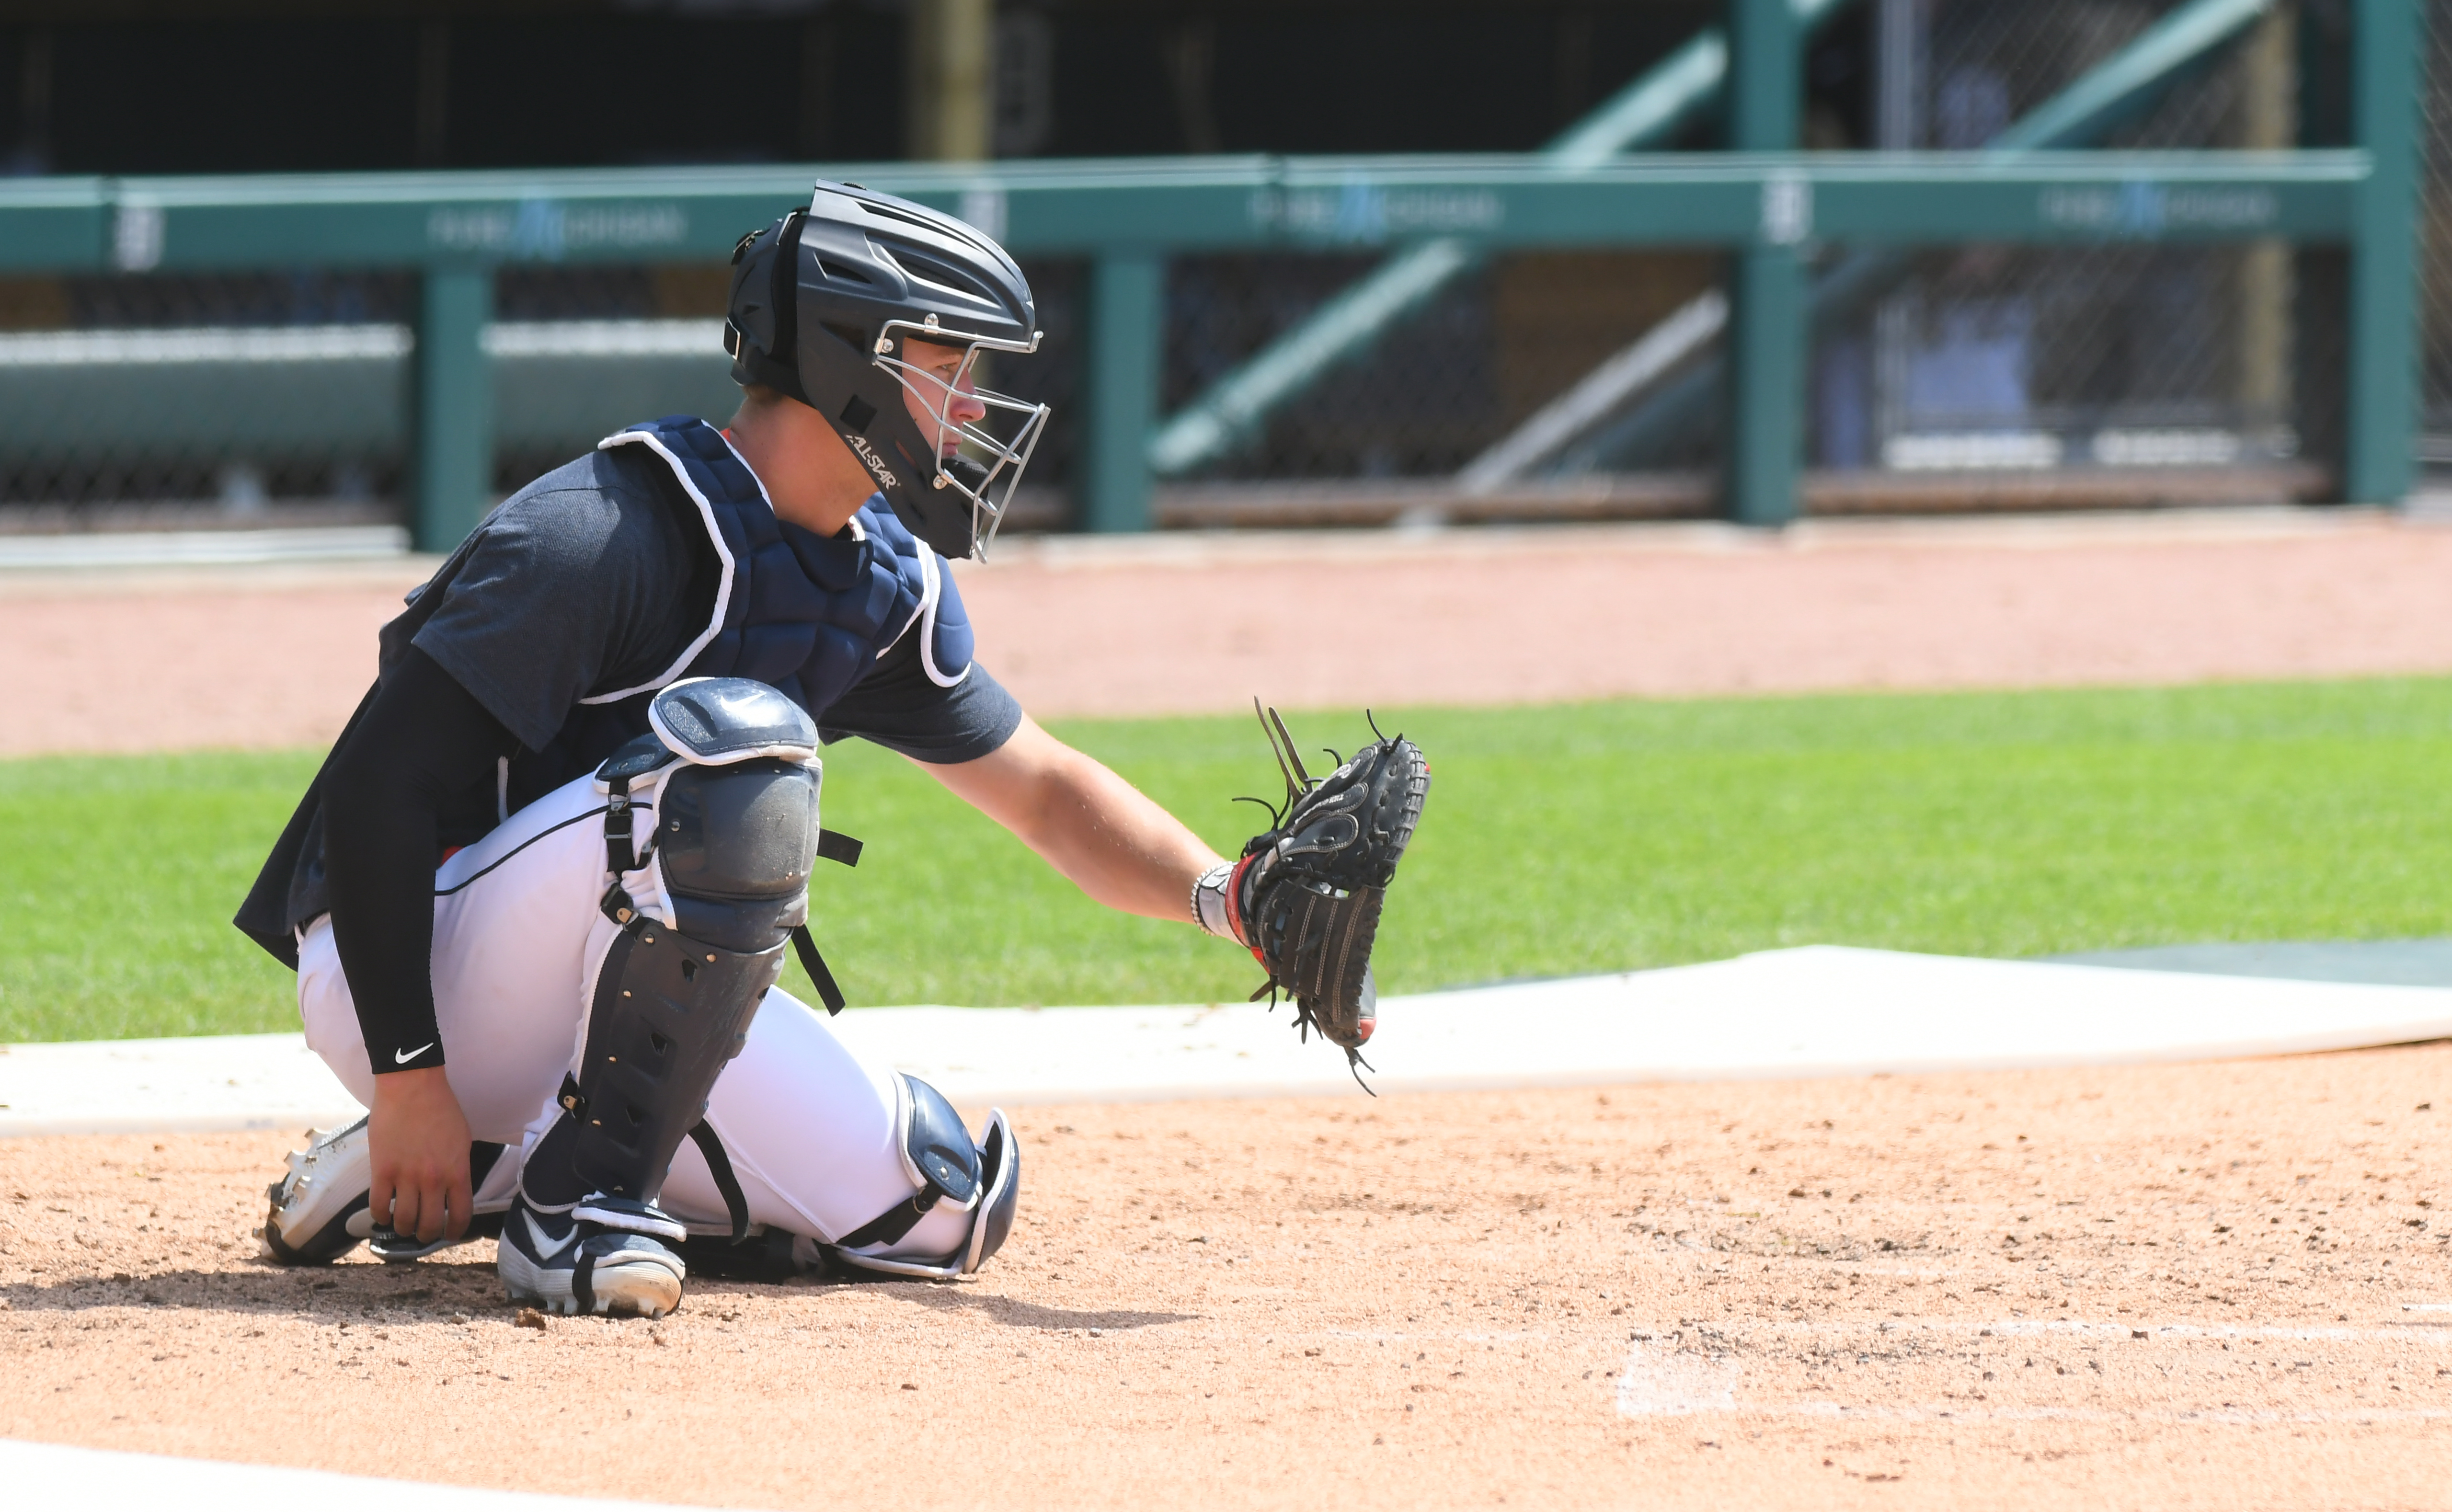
2201,1286
257,657
2219,1286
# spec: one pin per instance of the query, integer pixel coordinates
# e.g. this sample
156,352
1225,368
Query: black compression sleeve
422,740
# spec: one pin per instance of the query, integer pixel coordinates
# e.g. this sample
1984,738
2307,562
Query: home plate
1814,1011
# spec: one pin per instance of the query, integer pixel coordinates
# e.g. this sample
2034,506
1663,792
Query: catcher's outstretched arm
1107,836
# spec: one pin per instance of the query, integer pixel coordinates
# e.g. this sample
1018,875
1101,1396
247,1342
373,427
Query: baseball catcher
540,893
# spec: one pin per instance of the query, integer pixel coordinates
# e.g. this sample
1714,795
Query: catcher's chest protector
800,612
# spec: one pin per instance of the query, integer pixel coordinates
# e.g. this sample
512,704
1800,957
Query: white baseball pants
810,1130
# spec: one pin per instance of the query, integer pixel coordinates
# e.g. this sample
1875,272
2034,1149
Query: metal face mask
982,439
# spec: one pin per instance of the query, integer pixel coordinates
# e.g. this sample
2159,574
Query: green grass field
1560,839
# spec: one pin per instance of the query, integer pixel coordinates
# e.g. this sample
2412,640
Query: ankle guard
981,1179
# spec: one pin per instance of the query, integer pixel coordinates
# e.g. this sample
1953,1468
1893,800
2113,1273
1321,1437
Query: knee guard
735,795
981,1180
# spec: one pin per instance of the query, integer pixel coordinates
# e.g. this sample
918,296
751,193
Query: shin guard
736,832
669,1012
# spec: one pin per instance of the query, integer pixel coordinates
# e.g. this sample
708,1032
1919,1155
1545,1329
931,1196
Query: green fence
1764,207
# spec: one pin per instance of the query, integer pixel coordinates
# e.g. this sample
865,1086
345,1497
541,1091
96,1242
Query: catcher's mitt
1306,896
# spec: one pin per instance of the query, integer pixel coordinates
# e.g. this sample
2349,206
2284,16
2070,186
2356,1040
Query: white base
153,1086
1818,1010
51,1475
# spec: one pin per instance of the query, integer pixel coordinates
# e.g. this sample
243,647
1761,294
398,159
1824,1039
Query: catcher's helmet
822,301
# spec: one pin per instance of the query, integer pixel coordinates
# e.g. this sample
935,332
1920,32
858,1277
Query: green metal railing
1763,205
2077,116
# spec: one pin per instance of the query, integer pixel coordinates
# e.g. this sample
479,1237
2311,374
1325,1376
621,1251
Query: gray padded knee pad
737,843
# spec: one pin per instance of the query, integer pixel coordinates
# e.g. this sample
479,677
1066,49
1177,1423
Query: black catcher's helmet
823,302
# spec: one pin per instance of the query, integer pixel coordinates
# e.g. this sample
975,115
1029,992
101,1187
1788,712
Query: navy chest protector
800,613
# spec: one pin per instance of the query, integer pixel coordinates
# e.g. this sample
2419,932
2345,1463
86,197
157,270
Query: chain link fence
180,400
2119,373
2134,372
284,399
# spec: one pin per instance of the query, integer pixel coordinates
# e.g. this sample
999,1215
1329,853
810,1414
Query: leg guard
673,1001
735,831
670,1010
980,1181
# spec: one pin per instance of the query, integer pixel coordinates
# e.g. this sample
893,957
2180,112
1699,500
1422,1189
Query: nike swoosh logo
404,1057
543,1243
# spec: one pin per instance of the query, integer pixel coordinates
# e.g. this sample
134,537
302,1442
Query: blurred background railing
1748,259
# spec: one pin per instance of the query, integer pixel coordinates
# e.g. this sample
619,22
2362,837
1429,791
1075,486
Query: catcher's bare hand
417,1141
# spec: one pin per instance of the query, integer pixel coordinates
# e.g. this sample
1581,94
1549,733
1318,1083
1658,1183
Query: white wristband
1209,899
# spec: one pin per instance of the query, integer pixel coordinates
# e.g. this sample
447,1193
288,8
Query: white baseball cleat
319,1209
567,1263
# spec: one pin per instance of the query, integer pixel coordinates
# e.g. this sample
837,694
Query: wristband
1210,909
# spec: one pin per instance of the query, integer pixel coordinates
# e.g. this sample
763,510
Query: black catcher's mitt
1307,894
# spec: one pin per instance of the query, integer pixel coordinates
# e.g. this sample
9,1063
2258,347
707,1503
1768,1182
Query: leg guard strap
728,1182
815,964
630,1218
892,1223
